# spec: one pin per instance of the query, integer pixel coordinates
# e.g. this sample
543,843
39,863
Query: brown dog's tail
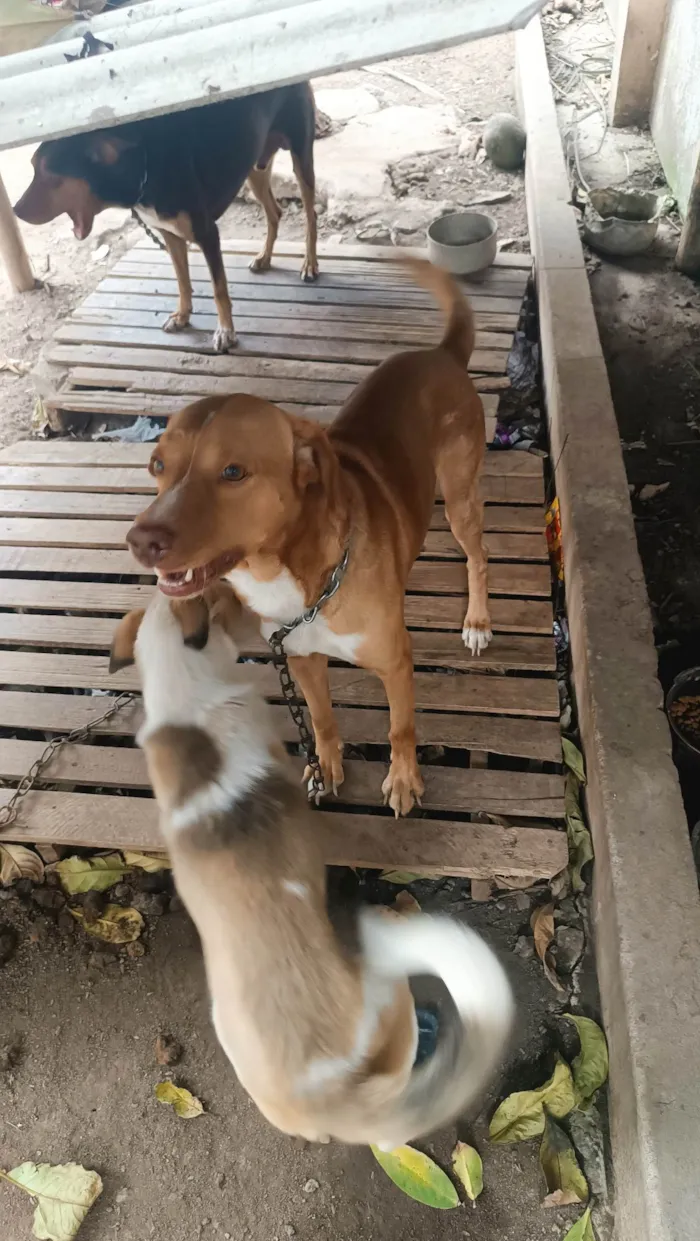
471,1041
459,333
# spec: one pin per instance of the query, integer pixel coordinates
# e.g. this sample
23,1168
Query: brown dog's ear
193,618
105,148
315,460
124,641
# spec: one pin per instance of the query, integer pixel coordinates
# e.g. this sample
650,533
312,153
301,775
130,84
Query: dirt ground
78,1024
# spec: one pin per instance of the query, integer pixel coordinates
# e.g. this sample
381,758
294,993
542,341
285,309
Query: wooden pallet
65,507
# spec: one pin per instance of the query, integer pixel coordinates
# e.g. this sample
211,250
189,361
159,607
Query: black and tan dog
180,172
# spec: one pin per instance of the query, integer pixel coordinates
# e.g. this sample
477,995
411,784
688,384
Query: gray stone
524,948
504,141
569,943
342,104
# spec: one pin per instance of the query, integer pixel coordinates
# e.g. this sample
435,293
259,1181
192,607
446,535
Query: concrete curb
645,900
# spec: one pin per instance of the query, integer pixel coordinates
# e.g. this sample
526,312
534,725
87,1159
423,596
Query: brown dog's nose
150,543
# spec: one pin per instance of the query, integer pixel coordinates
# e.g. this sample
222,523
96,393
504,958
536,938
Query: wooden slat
342,250
349,686
217,365
54,532
429,648
527,616
531,795
131,405
535,739
428,846
395,271
432,577
99,506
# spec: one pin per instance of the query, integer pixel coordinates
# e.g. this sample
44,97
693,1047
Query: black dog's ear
106,148
193,618
122,653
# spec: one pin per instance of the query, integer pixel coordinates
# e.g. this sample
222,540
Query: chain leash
148,231
289,690
10,811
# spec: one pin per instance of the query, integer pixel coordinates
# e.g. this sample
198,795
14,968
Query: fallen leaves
18,862
469,1169
590,1067
573,759
151,862
90,874
522,1114
185,1104
405,903
565,1181
399,876
116,925
582,1230
64,1194
418,1176
542,923
579,837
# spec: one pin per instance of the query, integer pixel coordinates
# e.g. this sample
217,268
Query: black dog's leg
177,249
210,243
301,127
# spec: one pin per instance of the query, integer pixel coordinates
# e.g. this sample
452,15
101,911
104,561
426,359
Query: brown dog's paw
176,322
330,757
261,262
402,788
224,340
309,271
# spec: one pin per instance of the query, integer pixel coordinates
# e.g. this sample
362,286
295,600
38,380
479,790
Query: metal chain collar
10,811
289,691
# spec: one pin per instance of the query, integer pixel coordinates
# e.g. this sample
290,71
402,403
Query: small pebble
152,904
169,1051
290,1230
94,904
121,892
8,943
524,948
311,1186
49,898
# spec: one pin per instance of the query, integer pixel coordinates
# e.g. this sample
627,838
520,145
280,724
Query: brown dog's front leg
210,242
403,785
177,249
311,675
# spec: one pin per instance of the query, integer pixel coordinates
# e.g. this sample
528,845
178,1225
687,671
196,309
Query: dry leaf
15,366
18,862
400,876
590,1068
90,874
542,923
185,1104
418,1176
521,1115
579,837
582,1230
64,1194
147,861
405,903
117,924
565,1181
468,1167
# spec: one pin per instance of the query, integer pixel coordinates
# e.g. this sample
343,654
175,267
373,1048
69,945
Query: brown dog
271,501
179,173
323,1036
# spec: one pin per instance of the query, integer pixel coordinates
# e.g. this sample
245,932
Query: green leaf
185,1104
18,862
579,837
582,1229
90,874
64,1195
416,1175
469,1169
565,1181
400,876
521,1115
590,1068
147,861
573,759
117,925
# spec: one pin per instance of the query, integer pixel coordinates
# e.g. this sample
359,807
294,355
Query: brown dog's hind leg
210,243
311,675
459,464
403,785
177,249
259,182
304,173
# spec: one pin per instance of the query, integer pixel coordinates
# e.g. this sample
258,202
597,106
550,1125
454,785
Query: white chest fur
282,599
180,225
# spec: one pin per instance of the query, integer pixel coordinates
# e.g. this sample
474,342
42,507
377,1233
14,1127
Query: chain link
289,690
148,231
10,811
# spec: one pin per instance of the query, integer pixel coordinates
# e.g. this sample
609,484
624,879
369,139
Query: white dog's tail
471,1043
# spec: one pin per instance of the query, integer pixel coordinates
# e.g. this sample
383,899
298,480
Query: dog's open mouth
183,583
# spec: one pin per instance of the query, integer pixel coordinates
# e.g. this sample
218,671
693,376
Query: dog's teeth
189,575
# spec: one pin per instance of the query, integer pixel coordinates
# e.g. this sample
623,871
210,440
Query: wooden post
688,255
19,269
638,35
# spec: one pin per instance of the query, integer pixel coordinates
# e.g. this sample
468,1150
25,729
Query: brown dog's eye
156,466
233,473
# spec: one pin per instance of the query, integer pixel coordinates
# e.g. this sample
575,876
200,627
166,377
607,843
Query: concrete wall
675,117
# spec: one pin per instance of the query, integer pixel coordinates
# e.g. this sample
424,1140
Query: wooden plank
153,311
527,616
151,292
432,577
428,846
53,532
535,739
431,649
318,294
180,367
349,686
329,350
393,270
99,506
531,795
343,250
131,404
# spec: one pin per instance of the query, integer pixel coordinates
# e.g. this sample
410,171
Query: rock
521,900
151,904
504,141
135,950
290,1230
49,898
311,1186
524,948
569,943
121,892
8,943
414,215
94,904
468,145
24,889
66,922
169,1051
374,234
341,104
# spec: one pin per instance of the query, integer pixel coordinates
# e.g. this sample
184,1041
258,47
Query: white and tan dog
323,1038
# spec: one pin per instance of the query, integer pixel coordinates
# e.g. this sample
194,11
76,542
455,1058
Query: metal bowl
463,242
687,682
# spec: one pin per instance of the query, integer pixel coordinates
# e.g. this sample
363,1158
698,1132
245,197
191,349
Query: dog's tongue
81,227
